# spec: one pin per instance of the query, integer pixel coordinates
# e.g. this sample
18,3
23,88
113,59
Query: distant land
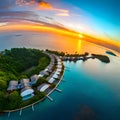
111,53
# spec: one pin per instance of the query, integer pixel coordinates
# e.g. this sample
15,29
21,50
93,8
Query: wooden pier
58,90
49,98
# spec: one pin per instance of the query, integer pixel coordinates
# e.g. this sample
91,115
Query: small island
111,53
102,58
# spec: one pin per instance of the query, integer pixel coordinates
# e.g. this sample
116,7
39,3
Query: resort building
59,69
64,58
34,79
59,63
57,73
41,75
55,76
59,66
58,60
13,85
27,93
44,73
43,87
25,83
51,80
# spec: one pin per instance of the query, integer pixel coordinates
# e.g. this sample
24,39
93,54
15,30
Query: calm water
91,90
47,41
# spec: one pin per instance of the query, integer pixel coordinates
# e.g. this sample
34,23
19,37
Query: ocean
90,89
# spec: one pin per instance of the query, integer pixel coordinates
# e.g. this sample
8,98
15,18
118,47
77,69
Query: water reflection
47,41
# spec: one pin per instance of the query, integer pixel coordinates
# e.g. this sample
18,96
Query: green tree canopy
14,100
3,84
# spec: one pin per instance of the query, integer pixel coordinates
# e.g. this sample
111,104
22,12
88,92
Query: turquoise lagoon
90,91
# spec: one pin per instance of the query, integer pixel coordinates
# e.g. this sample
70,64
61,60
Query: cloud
3,23
65,14
43,5
39,3
25,2
18,14
47,6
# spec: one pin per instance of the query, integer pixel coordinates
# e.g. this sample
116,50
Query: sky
98,18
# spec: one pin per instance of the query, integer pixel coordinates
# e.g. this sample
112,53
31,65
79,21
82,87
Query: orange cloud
47,6
43,5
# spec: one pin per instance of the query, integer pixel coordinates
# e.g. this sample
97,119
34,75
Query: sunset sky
98,18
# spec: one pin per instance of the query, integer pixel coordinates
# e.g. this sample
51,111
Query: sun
80,35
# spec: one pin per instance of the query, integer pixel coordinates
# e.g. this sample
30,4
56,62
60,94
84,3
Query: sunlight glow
61,31
80,35
38,28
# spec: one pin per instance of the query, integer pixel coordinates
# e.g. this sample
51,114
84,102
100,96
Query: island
111,53
27,76
102,58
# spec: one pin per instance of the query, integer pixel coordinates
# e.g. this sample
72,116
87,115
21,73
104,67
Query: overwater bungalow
84,58
43,87
89,56
34,79
13,85
80,58
68,58
27,93
64,58
73,58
